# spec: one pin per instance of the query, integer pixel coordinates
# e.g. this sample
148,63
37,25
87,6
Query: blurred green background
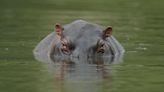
137,24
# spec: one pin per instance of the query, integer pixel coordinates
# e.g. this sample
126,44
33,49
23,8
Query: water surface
137,24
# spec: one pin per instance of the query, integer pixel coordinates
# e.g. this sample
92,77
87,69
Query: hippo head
79,41
82,39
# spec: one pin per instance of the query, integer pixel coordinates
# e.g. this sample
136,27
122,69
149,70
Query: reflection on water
84,76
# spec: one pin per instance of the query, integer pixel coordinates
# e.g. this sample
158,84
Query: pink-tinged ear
58,29
107,32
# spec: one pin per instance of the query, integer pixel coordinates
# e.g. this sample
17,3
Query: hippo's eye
100,47
66,47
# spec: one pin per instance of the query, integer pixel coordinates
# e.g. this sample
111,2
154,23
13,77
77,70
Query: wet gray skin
80,41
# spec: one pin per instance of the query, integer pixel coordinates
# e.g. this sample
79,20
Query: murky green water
138,25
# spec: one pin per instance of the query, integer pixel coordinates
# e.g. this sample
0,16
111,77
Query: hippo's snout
80,53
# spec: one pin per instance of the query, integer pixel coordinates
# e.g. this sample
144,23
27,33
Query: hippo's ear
58,29
107,32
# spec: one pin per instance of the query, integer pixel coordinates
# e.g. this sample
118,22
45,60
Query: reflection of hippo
80,40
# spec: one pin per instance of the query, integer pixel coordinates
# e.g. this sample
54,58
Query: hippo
79,40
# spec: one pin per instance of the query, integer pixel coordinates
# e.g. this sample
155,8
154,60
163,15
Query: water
137,24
